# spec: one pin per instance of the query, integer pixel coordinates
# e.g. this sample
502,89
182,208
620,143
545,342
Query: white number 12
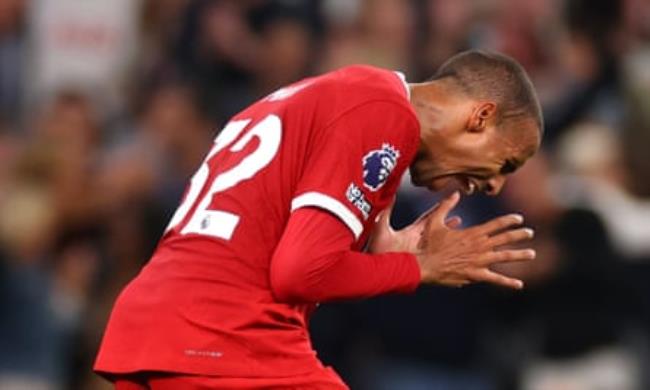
217,223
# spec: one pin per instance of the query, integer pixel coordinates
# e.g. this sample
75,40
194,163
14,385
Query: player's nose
494,185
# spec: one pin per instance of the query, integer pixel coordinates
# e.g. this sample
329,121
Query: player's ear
482,114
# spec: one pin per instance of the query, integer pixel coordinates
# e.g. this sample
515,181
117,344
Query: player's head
479,121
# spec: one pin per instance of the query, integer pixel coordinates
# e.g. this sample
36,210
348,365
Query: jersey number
217,223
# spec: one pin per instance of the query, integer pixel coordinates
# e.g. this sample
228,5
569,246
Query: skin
463,147
462,142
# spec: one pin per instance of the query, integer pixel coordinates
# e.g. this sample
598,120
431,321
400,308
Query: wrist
424,273
385,245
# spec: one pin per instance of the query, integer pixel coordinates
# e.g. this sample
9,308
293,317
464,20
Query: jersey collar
406,86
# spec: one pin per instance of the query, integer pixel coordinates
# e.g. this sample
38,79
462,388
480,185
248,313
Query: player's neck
427,100
433,102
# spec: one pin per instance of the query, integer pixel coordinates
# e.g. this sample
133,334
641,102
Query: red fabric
335,160
315,251
131,382
205,305
161,381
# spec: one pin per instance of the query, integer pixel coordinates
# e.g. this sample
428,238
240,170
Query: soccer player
277,218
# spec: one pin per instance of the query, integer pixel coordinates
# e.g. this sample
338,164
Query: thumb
382,235
383,219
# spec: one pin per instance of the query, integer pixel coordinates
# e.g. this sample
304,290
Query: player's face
474,157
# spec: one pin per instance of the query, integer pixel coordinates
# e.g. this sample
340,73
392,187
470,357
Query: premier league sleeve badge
377,166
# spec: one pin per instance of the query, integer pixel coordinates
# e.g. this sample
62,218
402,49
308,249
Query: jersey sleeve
313,263
356,162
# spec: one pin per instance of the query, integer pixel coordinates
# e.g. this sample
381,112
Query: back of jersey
203,304
239,201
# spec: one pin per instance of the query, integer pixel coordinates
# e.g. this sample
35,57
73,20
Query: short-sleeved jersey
203,304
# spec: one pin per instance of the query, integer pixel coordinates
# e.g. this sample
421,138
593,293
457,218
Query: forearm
313,263
347,275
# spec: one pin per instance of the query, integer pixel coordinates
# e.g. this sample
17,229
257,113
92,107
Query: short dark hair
488,75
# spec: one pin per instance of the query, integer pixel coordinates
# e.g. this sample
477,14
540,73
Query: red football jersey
203,304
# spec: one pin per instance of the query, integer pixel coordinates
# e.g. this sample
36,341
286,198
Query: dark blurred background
108,106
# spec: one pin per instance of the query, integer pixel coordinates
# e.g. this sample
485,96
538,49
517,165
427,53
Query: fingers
499,223
446,205
488,276
507,256
510,237
453,222
425,215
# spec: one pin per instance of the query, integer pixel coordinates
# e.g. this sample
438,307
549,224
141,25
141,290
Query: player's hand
385,239
456,257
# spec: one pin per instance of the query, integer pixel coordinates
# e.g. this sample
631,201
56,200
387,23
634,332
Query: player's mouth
455,182
470,188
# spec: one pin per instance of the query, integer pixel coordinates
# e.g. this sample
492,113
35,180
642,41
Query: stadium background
107,107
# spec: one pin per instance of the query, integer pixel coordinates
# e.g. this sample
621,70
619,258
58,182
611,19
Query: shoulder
358,89
371,82
337,92
379,128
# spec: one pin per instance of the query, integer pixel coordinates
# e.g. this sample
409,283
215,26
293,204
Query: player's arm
334,201
313,262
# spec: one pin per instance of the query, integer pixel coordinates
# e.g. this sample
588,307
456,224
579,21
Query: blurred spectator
636,126
590,63
284,53
579,304
88,46
160,24
160,151
67,136
448,27
12,48
593,156
47,193
382,34
238,51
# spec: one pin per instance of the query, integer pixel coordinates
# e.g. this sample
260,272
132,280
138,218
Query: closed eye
509,167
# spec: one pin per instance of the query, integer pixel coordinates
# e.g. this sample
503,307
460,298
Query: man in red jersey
276,218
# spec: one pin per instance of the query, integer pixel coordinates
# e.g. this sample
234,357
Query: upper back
290,143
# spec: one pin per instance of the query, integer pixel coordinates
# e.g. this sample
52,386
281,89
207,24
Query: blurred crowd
108,106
